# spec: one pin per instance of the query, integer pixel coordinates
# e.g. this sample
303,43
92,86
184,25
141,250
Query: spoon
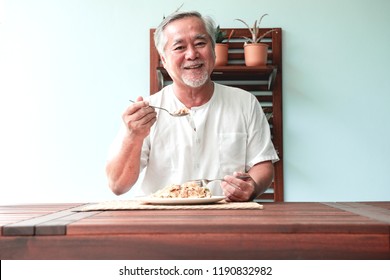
178,113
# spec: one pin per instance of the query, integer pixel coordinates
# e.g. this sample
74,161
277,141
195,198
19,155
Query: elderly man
226,133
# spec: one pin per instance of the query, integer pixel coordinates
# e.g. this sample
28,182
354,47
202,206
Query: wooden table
349,230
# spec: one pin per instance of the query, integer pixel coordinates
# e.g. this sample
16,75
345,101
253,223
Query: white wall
68,68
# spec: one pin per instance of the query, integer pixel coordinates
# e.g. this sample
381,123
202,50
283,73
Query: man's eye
178,48
200,44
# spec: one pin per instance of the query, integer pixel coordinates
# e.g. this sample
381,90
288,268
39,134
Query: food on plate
186,190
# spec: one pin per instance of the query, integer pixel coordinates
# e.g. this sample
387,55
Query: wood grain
294,230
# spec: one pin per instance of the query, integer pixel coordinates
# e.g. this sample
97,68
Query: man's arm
123,169
262,175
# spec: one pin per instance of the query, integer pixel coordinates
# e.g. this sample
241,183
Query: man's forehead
180,39
181,34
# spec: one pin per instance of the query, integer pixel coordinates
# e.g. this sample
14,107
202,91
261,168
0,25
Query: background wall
68,68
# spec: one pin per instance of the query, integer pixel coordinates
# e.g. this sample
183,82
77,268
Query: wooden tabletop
292,230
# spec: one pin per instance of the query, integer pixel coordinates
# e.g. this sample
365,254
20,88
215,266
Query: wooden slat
209,246
10,214
266,196
154,63
48,223
242,73
58,226
379,204
274,218
365,210
277,130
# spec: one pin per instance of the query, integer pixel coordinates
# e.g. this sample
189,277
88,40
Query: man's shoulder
232,92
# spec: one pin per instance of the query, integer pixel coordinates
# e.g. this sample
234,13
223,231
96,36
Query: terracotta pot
221,53
255,54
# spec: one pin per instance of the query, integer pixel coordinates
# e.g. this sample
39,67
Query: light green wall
67,69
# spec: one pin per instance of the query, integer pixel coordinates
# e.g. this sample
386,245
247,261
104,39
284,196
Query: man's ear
163,60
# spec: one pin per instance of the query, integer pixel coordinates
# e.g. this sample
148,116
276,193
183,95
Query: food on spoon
186,190
180,112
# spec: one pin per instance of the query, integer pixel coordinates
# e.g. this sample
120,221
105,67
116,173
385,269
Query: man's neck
194,97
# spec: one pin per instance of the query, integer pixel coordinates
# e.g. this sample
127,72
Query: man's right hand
139,118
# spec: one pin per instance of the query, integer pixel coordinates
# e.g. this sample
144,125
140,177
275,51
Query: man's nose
192,53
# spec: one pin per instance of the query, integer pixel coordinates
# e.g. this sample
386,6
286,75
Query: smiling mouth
195,66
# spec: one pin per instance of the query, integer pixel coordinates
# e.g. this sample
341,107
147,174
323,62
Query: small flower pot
221,53
256,54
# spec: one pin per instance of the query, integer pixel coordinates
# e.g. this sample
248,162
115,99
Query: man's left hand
236,189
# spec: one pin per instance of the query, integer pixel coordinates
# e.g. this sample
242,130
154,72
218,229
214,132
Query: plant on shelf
221,46
220,35
255,52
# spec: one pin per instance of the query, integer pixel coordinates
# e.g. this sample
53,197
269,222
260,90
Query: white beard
196,82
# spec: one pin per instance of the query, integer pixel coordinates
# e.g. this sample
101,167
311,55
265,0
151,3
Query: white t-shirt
229,133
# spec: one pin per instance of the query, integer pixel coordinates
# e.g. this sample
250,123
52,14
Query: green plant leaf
219,35
243,22
261,18
255,30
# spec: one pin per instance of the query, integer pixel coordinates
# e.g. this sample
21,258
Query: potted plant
255,52
221,47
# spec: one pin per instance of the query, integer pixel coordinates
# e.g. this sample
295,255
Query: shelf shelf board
235,72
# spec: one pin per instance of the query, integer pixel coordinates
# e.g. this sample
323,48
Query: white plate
166,201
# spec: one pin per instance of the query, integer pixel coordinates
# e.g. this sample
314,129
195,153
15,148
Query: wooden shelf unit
264,82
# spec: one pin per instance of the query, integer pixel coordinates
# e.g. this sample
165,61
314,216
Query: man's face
188,55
